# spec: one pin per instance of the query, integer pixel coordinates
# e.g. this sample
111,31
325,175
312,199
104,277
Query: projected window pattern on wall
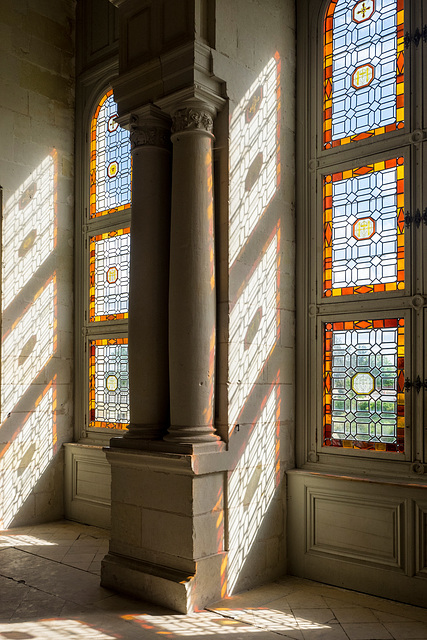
254,155
108,383
364,384
29,228
364,226
26,457
363,69
110,161
28,347
109,275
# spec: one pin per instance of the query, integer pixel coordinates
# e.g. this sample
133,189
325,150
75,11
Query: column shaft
192,296
149,276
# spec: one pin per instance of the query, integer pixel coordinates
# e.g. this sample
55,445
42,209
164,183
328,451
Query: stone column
149,277
192,295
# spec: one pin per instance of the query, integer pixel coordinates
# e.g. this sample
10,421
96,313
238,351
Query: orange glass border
93,213
92,400
327,81
329,328
92,241
328,181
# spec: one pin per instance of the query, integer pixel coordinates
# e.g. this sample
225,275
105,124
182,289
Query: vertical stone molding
192,295
149,277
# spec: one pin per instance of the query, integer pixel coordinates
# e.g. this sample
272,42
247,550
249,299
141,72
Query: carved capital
192,119
148,134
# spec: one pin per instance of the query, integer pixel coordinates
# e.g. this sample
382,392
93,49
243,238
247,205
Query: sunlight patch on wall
253,330
27,456
28,229
254,155
251,487
28,347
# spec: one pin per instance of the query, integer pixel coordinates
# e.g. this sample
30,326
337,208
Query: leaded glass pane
364,226
364,384
110,161
363,69
108,383
109,275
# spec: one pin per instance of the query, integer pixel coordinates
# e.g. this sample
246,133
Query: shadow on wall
28,438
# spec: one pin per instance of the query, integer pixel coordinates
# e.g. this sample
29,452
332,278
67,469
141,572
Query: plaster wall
36,173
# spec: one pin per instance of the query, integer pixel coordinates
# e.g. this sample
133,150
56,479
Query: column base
176,590
143,432
166,446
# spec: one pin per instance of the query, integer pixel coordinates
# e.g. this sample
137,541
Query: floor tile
354,614
321,616
366,631
406,630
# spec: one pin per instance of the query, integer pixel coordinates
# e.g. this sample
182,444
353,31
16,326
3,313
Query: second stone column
149,278
192,295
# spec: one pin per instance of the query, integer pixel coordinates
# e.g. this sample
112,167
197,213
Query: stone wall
36,173
255,56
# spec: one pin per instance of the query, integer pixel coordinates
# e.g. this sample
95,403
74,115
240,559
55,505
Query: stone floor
49,589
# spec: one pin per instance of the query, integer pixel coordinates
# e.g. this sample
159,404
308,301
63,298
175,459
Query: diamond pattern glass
109,275
363,229
110,161
363,397
108,383
363,66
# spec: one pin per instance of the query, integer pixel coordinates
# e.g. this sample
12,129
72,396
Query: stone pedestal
167,529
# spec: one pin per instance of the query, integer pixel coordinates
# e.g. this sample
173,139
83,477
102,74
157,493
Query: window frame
312,163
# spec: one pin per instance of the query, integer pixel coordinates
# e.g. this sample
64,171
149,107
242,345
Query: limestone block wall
36,173
255,56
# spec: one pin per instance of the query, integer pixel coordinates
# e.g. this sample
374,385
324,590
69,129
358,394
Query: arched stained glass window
110,161
363,70
107,241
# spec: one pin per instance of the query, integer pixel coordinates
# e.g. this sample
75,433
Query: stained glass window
364,384
363,69
110,161
108,383
364,226
109,275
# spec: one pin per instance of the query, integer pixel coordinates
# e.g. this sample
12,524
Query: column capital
192,119
149,126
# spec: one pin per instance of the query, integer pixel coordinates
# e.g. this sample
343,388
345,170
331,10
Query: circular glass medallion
363,383
113,168
112,124
112,275
111,383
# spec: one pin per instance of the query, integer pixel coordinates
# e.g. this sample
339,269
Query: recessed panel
356,527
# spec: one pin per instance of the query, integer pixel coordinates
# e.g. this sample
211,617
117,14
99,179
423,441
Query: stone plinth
167,529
